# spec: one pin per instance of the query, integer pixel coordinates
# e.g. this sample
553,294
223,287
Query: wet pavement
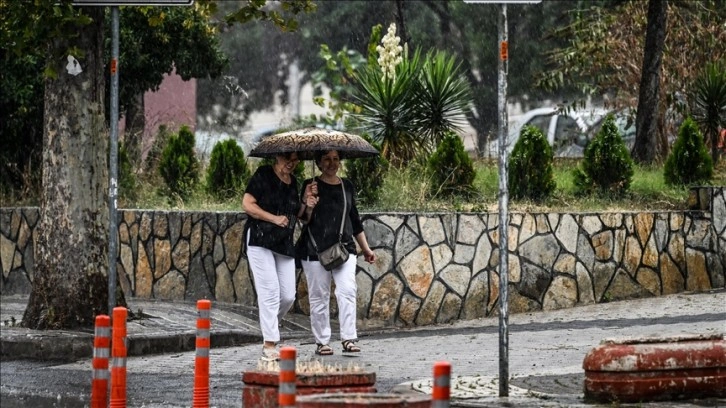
546,351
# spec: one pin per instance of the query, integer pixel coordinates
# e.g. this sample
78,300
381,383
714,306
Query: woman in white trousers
271,201
335,206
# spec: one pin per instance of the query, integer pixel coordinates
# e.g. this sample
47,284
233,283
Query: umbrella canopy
306,142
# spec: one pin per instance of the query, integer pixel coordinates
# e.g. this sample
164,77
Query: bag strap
342,219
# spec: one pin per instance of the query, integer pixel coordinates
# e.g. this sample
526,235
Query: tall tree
152,44
646,135
70,284
605,53
401,23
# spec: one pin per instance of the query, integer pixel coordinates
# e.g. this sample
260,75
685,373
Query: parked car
567,132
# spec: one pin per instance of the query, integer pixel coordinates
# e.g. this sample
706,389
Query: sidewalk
546,349
153,327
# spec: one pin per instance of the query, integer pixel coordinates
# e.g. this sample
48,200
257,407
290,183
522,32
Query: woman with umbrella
335,219
271,202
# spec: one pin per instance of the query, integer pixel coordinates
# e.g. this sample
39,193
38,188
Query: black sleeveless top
324,222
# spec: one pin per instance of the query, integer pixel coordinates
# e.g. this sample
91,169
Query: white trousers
318,280
274,276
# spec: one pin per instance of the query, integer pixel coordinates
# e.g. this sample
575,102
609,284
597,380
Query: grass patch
408,190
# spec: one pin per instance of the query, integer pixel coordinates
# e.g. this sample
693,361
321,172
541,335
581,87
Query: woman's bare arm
250,206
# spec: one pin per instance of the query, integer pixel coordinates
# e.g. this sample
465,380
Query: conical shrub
451,169
689,162
530,166
179,166
607,167
227,173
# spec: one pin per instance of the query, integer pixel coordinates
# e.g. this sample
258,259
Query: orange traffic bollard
201,362
101,350
441,392
118,355
286,391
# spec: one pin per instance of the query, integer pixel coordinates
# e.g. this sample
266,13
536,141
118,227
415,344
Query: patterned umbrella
306,142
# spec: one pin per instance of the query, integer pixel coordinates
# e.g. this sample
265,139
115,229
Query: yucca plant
387,109
709,104
442,98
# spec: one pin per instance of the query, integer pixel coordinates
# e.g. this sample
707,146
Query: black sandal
349,346
323,350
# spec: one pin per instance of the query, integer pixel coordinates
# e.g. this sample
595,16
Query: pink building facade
173,105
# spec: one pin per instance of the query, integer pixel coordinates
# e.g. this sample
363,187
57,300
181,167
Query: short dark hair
319,155
288,155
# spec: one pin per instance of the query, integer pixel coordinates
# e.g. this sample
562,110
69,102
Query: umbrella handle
312,177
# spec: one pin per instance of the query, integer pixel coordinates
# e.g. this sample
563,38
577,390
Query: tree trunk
70,284
134,130
645,149
401,23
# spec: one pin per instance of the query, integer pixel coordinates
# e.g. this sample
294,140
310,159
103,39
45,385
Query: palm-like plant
387,108
709,104
407,105
442,98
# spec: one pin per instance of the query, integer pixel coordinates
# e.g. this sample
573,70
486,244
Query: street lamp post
503,65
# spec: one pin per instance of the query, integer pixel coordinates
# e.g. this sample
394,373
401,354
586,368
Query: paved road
545,356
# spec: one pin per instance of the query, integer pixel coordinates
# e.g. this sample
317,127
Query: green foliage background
367,175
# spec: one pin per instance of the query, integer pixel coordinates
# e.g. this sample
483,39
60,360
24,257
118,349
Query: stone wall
431,268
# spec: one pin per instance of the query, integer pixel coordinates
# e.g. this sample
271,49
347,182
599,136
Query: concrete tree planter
363,400
635,370
260,387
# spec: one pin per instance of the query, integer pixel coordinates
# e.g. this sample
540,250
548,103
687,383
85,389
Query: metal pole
113,164
503,211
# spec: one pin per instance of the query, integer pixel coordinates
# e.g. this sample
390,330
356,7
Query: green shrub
153,158
452,172
367,175
607,167
179,167
530,166
227,173
708,103
689,162
128,185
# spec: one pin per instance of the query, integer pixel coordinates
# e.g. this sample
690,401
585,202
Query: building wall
431,268
174,104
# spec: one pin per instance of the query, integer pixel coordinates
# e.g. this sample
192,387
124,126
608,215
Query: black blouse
325,220
275,197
